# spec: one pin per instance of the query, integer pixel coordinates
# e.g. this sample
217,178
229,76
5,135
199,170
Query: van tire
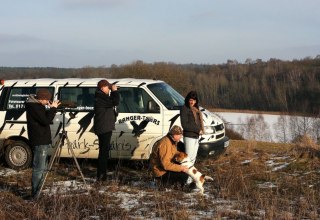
18,155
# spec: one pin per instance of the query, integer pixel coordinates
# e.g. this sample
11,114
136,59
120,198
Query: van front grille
219,136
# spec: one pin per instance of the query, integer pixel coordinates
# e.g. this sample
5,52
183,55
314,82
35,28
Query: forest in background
273,85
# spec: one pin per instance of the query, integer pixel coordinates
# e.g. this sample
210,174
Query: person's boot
102,177
191,188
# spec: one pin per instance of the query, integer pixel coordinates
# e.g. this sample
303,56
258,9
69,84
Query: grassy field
252,180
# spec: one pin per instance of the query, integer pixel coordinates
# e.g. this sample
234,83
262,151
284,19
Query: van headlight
209,130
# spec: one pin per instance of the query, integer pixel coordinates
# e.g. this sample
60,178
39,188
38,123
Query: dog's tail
208,178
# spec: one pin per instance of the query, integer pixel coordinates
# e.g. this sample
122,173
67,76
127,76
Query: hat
103,83
175,130
43,94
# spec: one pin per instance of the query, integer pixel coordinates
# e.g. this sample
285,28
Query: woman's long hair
192,95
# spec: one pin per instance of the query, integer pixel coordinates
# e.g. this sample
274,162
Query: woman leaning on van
192,124
106,98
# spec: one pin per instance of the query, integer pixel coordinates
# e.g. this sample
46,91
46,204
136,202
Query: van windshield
169,97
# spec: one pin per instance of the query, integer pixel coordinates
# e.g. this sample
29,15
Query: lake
271,127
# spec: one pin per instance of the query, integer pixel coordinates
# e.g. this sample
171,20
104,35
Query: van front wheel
18,155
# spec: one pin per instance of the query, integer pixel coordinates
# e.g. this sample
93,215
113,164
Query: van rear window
3,97
18,96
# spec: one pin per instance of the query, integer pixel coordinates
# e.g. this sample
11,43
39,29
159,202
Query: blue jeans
39,166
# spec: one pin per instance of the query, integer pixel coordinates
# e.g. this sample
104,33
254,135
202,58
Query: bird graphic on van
203,112
139,129
58,129
84,123
121,133
72,115
53,83
173,120
11,116
22,131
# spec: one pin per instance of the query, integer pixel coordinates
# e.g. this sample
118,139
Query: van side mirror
153,107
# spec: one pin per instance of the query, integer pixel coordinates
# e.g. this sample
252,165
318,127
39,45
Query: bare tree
256,128
300,126
282,129
316,129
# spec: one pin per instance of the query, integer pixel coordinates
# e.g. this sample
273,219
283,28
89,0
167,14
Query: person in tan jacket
163,167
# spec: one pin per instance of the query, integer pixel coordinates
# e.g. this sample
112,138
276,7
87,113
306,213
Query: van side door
77,105
138,124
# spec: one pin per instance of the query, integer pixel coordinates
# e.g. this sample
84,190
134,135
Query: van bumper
213,150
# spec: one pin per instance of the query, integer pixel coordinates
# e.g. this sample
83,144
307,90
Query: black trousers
170,178
104,148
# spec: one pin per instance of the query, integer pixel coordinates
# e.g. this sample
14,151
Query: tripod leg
57,151
75,159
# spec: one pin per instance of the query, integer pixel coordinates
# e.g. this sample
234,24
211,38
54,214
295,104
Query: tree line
273,85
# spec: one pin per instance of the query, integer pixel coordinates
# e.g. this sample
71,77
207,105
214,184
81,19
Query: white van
147,111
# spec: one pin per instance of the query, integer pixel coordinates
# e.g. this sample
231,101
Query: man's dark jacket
38,122
104,112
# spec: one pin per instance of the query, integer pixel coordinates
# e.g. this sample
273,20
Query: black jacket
189,125
104,113
38,122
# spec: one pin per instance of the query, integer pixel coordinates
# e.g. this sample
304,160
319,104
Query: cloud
93,3
203,16
17,38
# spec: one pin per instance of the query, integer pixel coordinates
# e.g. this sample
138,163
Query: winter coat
190,127
104,112
161,158
38,122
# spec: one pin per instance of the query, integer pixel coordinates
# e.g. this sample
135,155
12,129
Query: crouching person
164,169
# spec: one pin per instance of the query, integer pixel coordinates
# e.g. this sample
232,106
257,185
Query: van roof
76,81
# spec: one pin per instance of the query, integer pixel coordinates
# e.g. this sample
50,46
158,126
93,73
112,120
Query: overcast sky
78,33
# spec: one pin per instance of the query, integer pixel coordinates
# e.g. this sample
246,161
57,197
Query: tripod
56,155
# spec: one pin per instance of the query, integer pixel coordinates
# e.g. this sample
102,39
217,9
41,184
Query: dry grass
305,148
295,187
249,184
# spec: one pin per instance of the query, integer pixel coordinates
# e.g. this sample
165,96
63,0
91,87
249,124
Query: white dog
198,178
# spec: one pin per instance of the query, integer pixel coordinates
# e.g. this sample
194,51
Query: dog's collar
187,162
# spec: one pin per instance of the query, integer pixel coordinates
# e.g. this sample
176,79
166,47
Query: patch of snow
266,185
280,167
271,163
128,201
246,161
9,172
280,158
64,187
276,165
